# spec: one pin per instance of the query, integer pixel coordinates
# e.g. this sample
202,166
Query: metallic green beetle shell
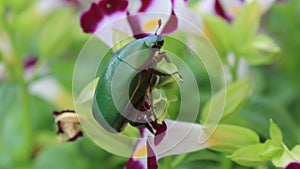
130,60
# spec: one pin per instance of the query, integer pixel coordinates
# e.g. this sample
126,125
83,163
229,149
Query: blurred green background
54,38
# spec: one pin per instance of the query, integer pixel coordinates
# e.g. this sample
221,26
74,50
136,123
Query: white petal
206,7
46,88
157,9
2,72
181,137
232,7
183,12
264,4
116,21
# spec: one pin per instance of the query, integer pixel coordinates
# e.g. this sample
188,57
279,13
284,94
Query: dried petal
67,122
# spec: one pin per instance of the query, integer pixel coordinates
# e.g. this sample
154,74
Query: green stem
234,69
18,72
167,162
178,160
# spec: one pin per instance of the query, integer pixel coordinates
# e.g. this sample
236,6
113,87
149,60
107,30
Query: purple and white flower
293,165
138,18
177,138
229,9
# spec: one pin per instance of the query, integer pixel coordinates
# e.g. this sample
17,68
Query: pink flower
174,138
229,9
293,165
138,19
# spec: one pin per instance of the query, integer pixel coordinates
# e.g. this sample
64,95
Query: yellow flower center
150,25
235,9
141,152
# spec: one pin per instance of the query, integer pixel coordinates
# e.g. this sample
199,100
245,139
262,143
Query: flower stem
234,69
18,73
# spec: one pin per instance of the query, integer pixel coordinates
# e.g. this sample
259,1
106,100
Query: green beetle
136,62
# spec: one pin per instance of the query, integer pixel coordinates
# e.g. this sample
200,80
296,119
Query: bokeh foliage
27,130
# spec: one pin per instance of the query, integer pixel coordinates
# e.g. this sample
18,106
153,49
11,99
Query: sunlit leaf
284,158
59,156
236,93
248,156
275,132
219,32
296,152
259,50
55,36
245,24
271,149
228,138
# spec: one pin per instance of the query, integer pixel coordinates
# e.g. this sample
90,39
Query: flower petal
265,4
293,165
171,24
160,131
180,137
89,19
2,72
152,11
94,17
143,156
175,138
182,12
49,89
67,122
228,9
105,16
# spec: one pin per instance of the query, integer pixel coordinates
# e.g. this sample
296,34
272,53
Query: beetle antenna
159,24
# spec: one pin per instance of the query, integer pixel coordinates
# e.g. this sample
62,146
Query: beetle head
154,41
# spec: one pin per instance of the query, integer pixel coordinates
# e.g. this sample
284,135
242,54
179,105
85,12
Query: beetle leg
150,99
163,55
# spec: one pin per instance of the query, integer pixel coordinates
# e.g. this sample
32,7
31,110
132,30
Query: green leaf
284,158
15,5
219,32
11,126
229,138
62,156
275,132
249,155
236,94
245,24
296,152
259,50
271,149
56,33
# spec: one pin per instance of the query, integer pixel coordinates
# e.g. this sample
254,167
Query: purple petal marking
79,134
220,11
293,165
30,61
131,163
173,1
160,131
109,7
89,19
75,3
171,24
151,159
135,25
145,5
60,130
